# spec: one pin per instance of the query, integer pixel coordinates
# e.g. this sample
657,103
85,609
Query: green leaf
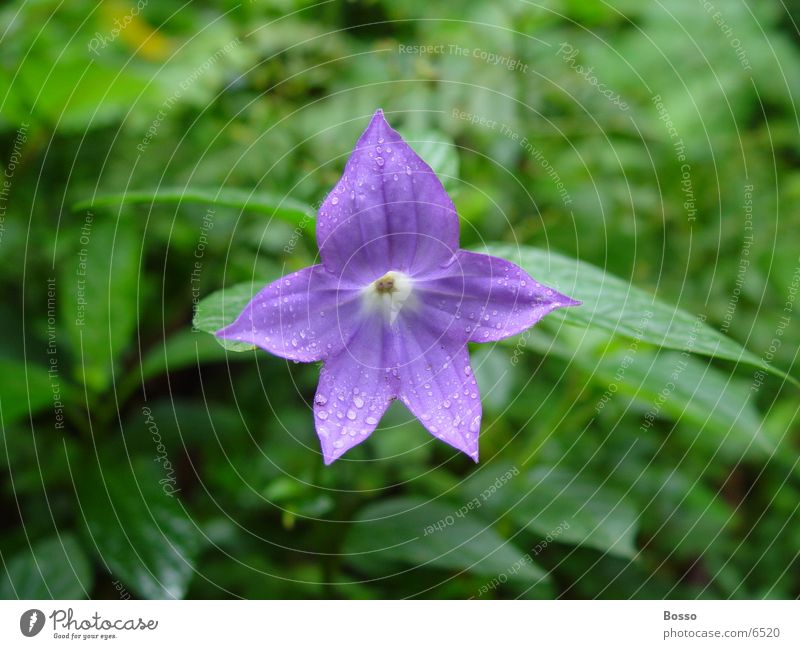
612,304
99,311
26,389
496,376
221,308
183,349
417,532
139,531
559,506
439,151
55,568
281,207
717,411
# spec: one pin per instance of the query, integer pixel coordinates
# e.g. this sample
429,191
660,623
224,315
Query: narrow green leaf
282,207
55,568
614,305
430,534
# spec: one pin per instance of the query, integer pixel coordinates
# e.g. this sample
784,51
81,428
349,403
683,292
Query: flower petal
437,384
355,388
387,212
306,316
480,298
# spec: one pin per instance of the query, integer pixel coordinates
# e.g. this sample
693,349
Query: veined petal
355,388
306,316
437,383
480,298
387,212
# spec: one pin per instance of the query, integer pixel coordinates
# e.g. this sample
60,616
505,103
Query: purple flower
393,304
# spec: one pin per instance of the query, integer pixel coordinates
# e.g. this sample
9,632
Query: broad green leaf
614,305
439,151
558,506
281,207
495,374
98,312
221,308
139,531
55,568
27,388
430,534
690,391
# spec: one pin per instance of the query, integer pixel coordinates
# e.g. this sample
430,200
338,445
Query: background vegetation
655,141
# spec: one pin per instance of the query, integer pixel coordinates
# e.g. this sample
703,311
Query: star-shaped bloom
393,303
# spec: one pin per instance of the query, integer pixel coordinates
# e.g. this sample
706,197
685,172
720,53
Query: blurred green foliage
138,451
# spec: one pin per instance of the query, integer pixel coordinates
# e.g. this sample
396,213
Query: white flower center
388,294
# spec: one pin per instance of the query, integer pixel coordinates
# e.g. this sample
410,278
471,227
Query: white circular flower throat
388,294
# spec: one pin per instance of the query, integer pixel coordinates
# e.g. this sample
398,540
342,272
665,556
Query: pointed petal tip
378,119
378,126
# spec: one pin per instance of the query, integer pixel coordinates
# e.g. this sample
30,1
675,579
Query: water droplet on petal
351,414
